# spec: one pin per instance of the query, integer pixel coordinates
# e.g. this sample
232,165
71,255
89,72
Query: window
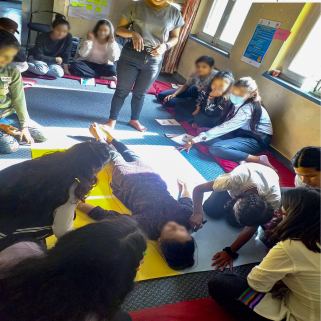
224,22
304,61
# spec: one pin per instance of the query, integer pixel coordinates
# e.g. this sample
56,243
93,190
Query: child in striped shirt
14,117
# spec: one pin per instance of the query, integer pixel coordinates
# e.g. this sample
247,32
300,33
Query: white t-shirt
247,176
299,269
298,182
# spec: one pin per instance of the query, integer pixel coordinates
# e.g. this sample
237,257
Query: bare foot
107,131
137,125
265,161
110,125
97,132
112,85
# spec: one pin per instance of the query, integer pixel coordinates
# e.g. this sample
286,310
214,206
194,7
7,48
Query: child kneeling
14,117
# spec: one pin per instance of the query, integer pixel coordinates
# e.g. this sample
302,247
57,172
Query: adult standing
155,27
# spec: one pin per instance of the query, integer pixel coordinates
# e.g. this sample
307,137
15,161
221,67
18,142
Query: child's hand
26,135
169,97
216,93
197,110
90,35
9,129
66,69
59,60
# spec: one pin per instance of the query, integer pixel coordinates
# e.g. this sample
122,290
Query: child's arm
180,90
198,193
66,54
18,98
222,259
38,52
197,110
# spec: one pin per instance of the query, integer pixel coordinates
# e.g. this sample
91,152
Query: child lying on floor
14,117
246,197
198,81
145,193
212,106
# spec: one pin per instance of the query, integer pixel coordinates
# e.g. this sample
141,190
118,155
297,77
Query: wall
80,27
296,120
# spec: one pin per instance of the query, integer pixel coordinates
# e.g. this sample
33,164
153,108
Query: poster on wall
89,9
260,42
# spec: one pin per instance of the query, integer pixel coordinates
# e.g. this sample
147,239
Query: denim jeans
8,143
41,68
191,93
239,148
139,68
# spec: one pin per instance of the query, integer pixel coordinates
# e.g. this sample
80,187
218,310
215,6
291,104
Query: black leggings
214,207
225,290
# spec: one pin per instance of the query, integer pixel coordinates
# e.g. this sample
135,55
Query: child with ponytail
52,51
249,123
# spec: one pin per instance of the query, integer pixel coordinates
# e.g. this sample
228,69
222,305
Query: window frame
287,74
215,40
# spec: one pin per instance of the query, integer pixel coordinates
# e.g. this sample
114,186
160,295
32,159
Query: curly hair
45,182
252,210
90,271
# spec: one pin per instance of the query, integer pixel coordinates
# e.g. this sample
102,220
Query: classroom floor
64,107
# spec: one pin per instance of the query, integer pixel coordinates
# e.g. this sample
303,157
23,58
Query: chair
38,27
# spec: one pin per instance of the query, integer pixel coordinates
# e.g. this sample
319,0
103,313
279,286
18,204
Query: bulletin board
89,9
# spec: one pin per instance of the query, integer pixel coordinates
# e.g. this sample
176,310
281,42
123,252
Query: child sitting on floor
52,51
98,54
14,117
199,80
213,104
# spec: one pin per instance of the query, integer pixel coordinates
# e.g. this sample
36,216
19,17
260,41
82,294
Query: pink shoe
112,85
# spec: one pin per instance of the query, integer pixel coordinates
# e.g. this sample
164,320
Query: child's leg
128,155
38,67
184,109
201,119
225,290
55,71
105,71
214,206
191,92
83,69
8,144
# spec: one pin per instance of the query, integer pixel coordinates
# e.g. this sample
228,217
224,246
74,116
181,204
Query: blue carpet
79,109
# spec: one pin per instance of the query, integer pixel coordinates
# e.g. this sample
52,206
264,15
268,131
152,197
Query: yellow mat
101,195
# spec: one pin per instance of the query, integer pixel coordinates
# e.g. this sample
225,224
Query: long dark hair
255,100
7,39
89,272
60,19
308,157
302,219
45,181
101,23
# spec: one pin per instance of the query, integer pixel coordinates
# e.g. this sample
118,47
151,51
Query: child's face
59,32
202,69
219,84
240,92
103,32
6,55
